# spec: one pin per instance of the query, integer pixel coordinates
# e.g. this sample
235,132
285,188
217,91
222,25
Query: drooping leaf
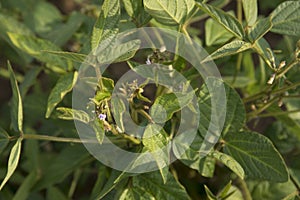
250,11
72,114
107,22
229,49
34,46
155,141
12,161
135,9
230,163
286,18
169,12
257,155
152,183
167,104
64,85
259,29
16,107
215,33
3,139
229,22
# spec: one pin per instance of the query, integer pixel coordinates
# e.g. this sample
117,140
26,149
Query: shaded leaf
12,161
4,139
257,155
98,127
55,193
29,79
169,12
77,57
229,22
64,85
25,189
16,107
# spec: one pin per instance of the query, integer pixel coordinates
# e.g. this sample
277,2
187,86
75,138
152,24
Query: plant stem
56,139
243,188
279,113
238,67
286,69
294,181
264,107
239,10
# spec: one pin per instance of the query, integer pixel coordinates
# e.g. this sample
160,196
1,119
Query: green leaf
229,22
72,114
118,109
204,164
257,155
24,190
229,49
117,52
230,163
215,33
155,141
235,112
169,12
259,29
263,48
167,104
209,194
153,184
77,57
250,11
16,107
64,85
286,18
107,22
135,9
34,46
12,161
98,127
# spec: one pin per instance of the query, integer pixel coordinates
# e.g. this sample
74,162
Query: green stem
294,181
56,139
279,113
239,10
286,69
243,188
238,67
264,107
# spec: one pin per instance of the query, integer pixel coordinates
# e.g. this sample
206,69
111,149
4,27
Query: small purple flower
102,117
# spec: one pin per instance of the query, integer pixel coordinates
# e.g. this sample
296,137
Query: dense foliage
256,47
